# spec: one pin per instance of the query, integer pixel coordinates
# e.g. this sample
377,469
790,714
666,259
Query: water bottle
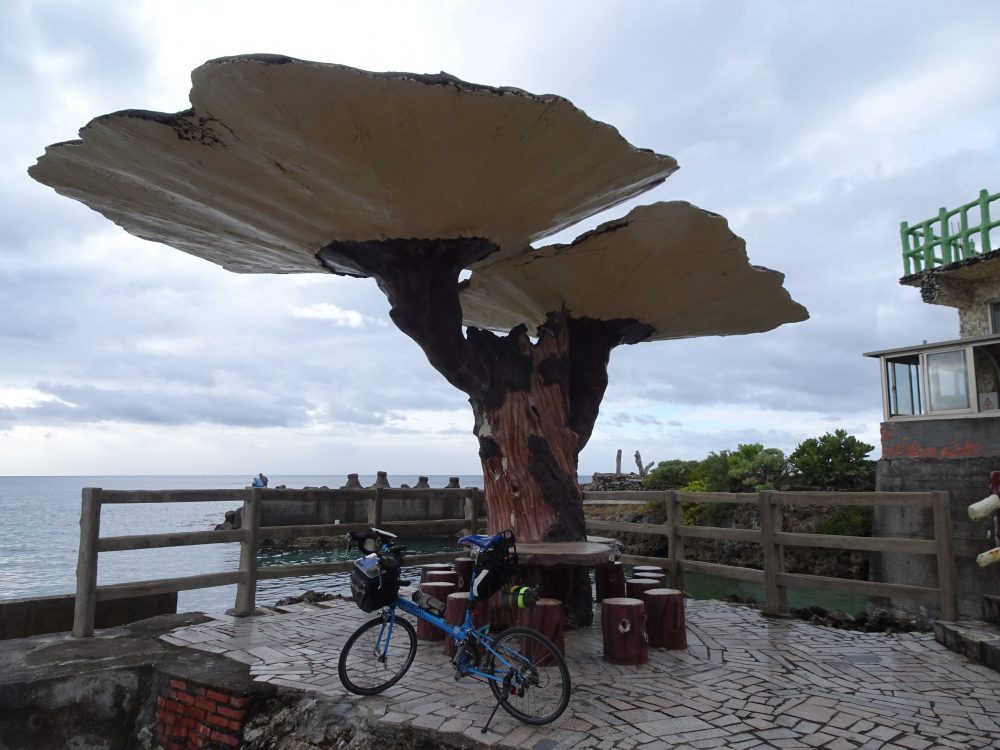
427,602
521,597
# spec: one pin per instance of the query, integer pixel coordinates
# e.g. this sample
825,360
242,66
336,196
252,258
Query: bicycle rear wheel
536,680
373,659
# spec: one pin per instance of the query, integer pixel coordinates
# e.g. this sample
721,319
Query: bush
670,475
836,461
848,520
754,467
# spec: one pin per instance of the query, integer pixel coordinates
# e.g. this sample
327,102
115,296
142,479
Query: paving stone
744,683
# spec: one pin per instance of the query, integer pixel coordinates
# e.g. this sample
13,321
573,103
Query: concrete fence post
947,575
774,555
675,542
246,589
85,605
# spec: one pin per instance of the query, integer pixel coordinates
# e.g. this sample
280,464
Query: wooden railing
88,593
774,539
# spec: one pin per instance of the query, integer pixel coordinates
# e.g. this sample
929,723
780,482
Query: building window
995,316
948,381
903,374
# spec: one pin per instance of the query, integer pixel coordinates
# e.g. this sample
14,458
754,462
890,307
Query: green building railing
936,242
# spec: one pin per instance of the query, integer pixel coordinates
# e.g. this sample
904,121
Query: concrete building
941,411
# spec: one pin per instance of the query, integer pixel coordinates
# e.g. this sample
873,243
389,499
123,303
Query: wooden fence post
375,508
85,604
471,507
675,542
246,589
774,555
941,503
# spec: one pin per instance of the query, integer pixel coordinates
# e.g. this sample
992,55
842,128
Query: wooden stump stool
665,618
463,566
425,569
660,577
454,614
437,576
624,630
610,581
646,569
634,587
440,591
548,619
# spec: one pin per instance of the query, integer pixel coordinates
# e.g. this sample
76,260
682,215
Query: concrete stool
440,591
425,569
662,578
454,614
609,581
646,569
463,566
623,625
436,576
547,618
665,618
635,586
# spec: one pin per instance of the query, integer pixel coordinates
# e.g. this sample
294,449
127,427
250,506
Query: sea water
40,536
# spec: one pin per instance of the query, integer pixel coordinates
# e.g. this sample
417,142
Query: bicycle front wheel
535,686
375,658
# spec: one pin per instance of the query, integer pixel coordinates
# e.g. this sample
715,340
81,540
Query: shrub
670,475
848,520
836,461
754,467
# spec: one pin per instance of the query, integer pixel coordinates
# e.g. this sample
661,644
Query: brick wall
191,716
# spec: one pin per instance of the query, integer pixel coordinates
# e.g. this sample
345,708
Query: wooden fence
774,539
249,535
770,535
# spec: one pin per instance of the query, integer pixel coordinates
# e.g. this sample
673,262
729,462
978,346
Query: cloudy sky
815,127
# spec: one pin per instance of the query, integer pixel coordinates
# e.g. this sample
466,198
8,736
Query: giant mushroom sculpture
286,166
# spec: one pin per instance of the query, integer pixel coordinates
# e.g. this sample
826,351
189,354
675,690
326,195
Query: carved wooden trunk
623,622
665,624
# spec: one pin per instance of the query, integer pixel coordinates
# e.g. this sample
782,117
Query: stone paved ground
745,682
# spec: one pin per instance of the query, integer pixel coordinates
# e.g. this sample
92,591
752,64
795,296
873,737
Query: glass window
947,381
995,316
903,374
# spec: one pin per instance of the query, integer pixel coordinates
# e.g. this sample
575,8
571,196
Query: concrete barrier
20,618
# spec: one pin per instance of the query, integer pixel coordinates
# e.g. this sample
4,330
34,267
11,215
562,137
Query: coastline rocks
352,483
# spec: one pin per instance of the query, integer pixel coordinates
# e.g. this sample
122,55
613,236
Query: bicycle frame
457,632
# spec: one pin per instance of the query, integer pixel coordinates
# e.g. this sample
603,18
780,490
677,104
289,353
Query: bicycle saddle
483,541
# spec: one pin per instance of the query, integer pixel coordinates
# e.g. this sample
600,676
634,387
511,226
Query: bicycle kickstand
503,696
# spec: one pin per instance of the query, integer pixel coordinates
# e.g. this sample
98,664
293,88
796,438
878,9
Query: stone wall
967,479
20,618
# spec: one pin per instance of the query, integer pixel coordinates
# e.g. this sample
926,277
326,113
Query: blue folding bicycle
525,671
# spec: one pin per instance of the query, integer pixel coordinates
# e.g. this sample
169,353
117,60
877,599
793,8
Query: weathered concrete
103,691
967,479
943,439
20,618
745,682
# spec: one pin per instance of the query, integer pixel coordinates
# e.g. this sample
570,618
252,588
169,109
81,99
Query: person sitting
259,481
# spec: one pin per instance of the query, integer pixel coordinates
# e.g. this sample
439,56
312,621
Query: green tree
754,467
712,473
670,475
836,461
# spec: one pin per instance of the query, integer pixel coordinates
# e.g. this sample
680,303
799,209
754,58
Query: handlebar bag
372,586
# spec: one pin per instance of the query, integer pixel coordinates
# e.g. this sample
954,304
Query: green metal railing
935,242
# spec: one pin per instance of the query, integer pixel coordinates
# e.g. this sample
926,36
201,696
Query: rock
352,483
381,480
453,483
422,484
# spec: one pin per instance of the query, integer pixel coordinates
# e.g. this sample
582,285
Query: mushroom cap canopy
280,157
671,266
